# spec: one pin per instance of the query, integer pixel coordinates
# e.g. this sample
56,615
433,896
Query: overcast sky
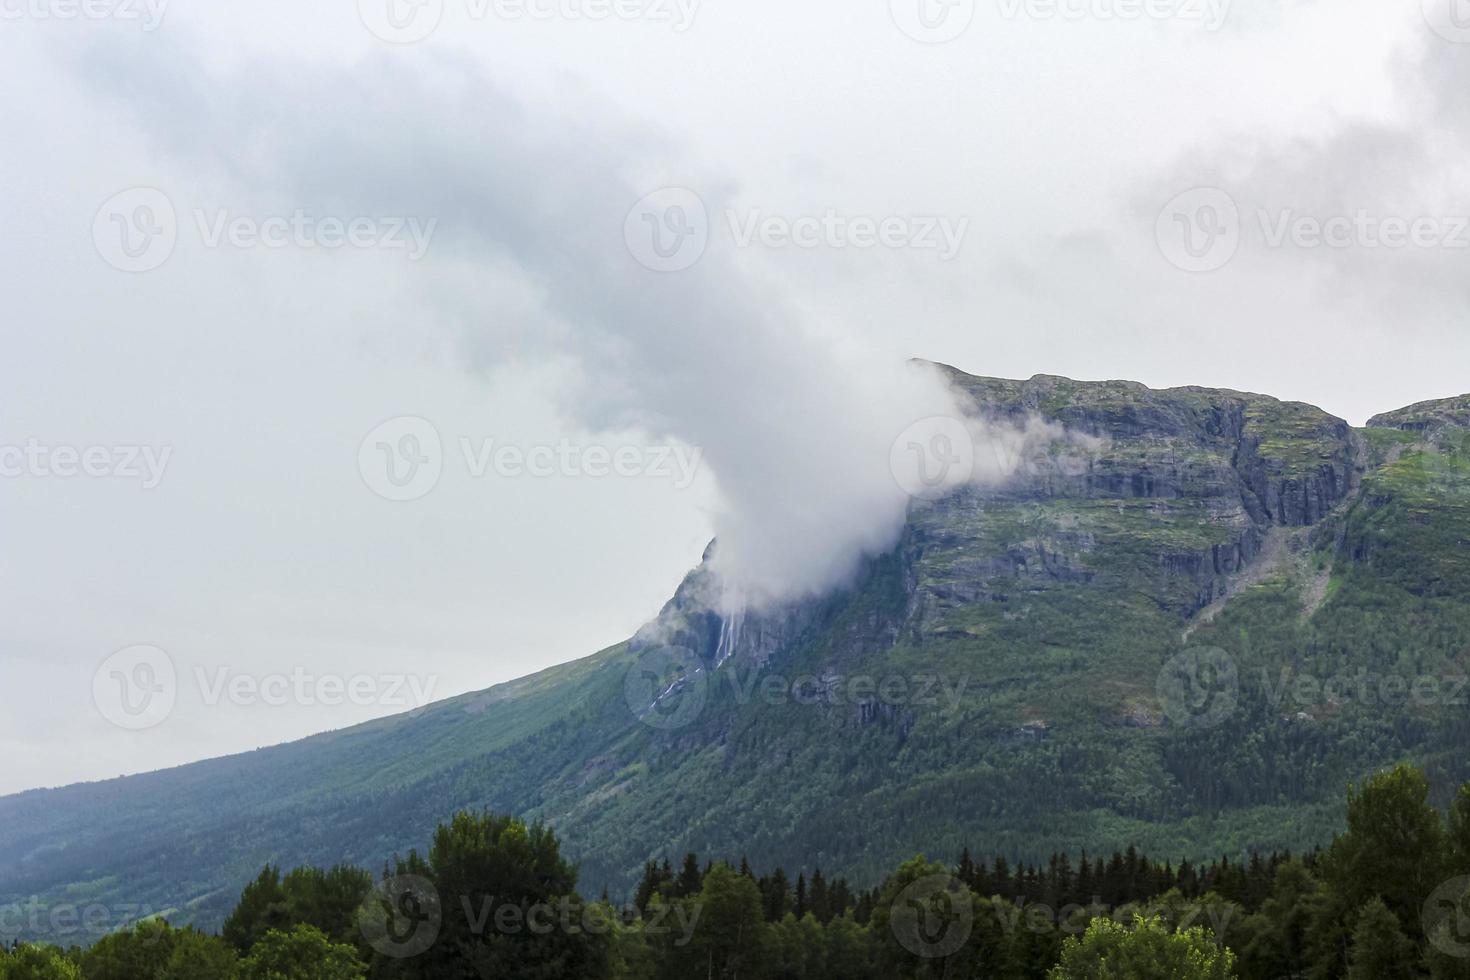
283,282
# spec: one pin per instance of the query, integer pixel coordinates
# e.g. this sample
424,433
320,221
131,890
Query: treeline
494,898
1127,878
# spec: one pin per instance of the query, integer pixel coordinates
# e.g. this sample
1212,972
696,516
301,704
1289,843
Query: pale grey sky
1027,169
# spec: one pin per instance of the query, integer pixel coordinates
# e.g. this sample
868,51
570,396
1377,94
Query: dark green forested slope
493,897
1183,624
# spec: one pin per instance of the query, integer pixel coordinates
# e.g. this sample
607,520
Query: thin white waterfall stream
730,629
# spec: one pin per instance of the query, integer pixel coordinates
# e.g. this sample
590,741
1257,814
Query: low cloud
798,431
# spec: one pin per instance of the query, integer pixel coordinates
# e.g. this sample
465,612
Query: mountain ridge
1057,598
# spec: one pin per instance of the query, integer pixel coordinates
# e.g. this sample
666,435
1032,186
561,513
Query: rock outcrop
1182,484
1428,415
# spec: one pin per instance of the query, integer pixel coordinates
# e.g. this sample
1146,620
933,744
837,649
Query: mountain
1188,619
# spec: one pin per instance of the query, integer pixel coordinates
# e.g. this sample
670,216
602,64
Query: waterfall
674,685
730,627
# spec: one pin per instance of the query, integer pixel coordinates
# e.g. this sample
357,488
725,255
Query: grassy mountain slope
1022,632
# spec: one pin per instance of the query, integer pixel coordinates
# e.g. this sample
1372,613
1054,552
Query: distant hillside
1186,629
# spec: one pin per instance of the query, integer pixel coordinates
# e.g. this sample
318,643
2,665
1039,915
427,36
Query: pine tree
1086,886
776,895
821,904
1188,880
840,897
1115,881
1000,879
690,878
863,911
965,871
648,886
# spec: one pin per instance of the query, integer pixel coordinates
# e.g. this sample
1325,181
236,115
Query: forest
493,897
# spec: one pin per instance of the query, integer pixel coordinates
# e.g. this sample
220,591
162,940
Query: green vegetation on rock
1025,630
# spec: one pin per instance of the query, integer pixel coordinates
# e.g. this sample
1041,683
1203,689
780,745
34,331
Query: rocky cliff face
1181,486
1428,415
